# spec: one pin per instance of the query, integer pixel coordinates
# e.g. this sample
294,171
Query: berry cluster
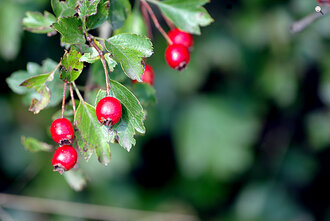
177,54
65,157
108,112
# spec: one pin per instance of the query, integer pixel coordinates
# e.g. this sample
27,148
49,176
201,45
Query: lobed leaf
87,8
128,50
38,23
132,116
118,12
100,17
186,15
41,89
145,93
72,66
64,8
70,29
91,136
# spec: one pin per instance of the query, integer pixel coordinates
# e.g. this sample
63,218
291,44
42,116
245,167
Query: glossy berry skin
148,76
65,157
108,111
177,56
62,131
180,37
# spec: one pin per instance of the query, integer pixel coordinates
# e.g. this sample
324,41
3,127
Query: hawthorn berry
180,37
108,111
323,1
62,131
177,56
65,157
148,75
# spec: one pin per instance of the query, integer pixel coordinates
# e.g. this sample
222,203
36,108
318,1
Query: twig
145,16
87,211
154,19
63,99
92,43
300,25
73,102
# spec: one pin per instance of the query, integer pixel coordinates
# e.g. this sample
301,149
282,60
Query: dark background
241,134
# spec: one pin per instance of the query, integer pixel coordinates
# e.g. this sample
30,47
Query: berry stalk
92,43
63,99
154,19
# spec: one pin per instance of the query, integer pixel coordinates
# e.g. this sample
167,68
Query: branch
300,25
88,211
154,19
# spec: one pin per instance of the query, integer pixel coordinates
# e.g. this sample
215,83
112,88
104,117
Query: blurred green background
243,134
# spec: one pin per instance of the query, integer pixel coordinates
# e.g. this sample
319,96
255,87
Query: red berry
323,1
148,76
177,56
180,37
108,111
65,157
62,131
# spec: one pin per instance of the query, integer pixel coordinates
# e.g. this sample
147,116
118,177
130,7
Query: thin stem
92,43
146,20
154,19
63,99
305,22
73,101
77,92
168,21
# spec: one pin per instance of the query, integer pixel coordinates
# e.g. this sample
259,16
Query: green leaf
34,70
112,63
132,116
100,17
91,135
91,56
118,12
186,15
128,50
38,83
64,8
33,145
134,24
72,67
37,23
71,30
76,179
87,7
145,93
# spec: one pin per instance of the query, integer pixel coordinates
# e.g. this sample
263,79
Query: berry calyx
177,56
65,157
148,75
180,37
108,111
62,131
